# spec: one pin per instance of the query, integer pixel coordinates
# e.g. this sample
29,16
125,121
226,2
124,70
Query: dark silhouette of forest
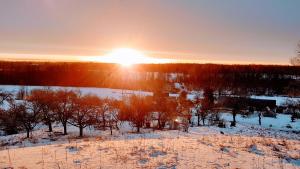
239,79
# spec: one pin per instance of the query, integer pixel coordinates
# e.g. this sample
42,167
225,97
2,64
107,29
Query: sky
214,31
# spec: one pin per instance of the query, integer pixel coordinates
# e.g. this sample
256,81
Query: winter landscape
273,144
164,84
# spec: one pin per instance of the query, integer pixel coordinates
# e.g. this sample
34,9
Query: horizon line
77,58
157,63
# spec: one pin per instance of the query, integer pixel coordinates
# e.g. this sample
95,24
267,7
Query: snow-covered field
100,92
119,93
246,146
202,147
281,122
271,145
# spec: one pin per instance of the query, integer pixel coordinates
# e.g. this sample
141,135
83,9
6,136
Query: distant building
259,104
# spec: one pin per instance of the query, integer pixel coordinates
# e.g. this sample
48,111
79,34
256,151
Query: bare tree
28,114
22,93
207,104
136,110
44,99
85,108
7,118
237,105
165,110
64,106
103,111
198,107
9,121
106,113
184,110
4,96
112,116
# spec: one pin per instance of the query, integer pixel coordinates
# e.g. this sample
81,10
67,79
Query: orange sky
233,31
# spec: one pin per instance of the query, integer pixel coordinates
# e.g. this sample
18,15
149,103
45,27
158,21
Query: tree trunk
159,125
163,124
50,126
198,119
117,127
65,128
28,133
233,123
110,130
220,93
293,117
138,129
186,127
234,115
104,122
259,119
80,131
203,121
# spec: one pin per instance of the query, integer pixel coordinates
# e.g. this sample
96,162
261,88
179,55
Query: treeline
72,107
238,79
22,112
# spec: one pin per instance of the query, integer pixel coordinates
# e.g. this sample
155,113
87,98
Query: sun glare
126,57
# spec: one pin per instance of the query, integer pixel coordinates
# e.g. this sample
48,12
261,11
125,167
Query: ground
248,145
203,147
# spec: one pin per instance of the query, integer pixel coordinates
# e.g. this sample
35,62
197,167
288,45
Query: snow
5,105
119,93
202,147
279,123
190,97
248,145
177,85
101,92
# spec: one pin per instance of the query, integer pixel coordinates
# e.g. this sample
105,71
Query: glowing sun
126,57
